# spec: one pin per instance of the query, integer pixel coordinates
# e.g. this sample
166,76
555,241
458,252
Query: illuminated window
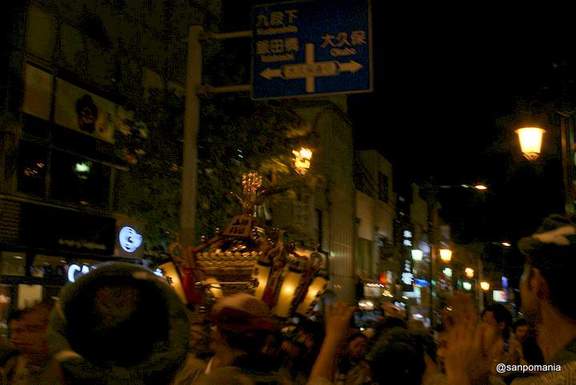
79,180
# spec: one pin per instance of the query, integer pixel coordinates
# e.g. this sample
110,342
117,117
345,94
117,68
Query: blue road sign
307,48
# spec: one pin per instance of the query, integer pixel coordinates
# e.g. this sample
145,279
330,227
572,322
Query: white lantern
287,292
316,288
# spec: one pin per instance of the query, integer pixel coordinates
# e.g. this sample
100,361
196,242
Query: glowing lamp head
481,187
530,141
302,160
469,272
467,286
485,285
446,255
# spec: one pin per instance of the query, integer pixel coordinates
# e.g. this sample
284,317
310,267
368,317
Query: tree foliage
236,135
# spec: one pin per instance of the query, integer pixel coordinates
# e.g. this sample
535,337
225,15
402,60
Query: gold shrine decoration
214,287
249,257
240,226
251,182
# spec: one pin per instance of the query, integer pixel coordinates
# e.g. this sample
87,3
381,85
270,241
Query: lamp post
431,192
531,138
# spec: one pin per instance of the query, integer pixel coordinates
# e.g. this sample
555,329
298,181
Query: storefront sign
84,111
75,271
407,276
37,92
65,230
130,240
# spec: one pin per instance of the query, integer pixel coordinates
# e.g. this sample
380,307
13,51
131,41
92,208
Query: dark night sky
443,82
444,76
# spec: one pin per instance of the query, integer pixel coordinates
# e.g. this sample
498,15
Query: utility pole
567,154
191,127
194,88
430,192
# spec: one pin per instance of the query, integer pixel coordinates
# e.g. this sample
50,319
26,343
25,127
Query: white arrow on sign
270,73
311,69
351,66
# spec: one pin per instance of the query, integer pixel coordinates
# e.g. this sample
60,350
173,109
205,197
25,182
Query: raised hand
337,319
468,343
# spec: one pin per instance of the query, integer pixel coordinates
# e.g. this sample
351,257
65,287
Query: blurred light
82,167
214,287
481,187
302,159
407,242
469,272
506,244
446,255
530,141
417,255
407,234
366,305
447,272
421,282
467,286
499,296
485,285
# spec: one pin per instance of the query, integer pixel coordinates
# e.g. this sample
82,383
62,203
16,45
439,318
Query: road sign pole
191,127
194,89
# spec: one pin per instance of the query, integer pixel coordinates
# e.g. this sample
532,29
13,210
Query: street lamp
481,187
467,286
302,159
530,141
469,272
446,255
506,244
485,285
531,144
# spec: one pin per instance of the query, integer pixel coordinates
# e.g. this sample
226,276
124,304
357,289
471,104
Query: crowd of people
121,324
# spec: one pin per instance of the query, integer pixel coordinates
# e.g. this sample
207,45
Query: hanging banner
84,111
37,92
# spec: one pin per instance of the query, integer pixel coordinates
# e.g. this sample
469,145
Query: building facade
77,70
375,213
318,211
